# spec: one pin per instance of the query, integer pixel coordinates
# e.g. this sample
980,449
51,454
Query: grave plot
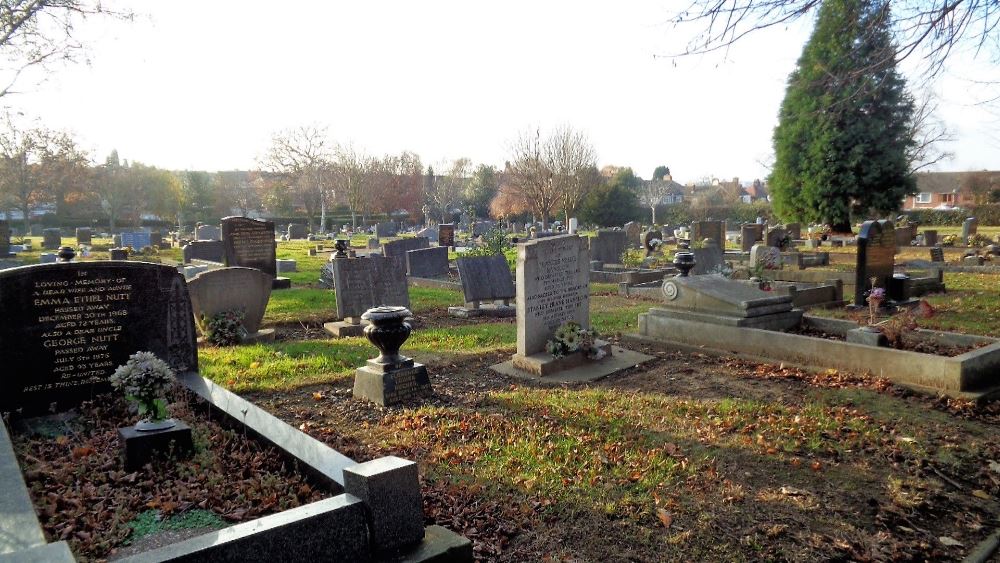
75,323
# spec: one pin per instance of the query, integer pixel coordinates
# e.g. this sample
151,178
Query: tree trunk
653,207
27,219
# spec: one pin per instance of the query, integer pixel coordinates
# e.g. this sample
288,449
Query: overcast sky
204,84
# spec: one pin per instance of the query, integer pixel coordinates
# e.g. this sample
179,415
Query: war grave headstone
363,283
485,278
83,235
607,247
875,259
207,232
402,246
427,262
136,240
210,250
297,231
970,227
930,237
715,230
233,289
5,240
387,229
446,234
632,233
250,243
552,286
750,234
69,325
709,258
937,254
52,239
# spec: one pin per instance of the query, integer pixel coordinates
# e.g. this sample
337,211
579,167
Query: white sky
204,84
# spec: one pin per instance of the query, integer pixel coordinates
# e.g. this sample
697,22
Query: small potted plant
145,380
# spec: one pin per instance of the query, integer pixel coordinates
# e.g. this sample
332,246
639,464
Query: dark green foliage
481,189
611,204
626,179
661,172
843,133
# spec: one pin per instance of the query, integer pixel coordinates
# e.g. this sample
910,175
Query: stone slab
21,529
427,262
390,488
620,359
57,552
440,545
141,447
490,310
402,246
485,278
343,329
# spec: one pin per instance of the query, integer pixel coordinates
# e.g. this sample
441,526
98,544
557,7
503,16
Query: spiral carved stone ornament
670,290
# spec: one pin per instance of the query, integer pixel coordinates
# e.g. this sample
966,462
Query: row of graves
714,313
81,332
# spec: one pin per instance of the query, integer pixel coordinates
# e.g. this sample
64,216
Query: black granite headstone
83,235
52,239
876,251
402,246
446,234
210,250
249,243
69,325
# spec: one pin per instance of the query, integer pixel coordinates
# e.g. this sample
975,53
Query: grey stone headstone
429,233
402,246
427,262
373,243
553,283
650,240
632,233
249,243
136,240
116,241
62,346
970,227
750,234
608,246
715,230
481,227
774,236
119,254
387,229
769,257
52,239
446,234
156,239
875,258
207,232
211,250
390,489
930,237
229,289
794,231
363,283
485,278
83,235
708,259
297,231
36,230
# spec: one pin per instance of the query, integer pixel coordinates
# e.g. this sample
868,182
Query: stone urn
685,262
66,254
387,331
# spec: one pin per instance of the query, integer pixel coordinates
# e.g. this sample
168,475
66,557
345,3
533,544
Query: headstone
36,230
573,225
553,286
119,253
211,250
48,258
875,259
446,234
485,278
715,230
429,233
4,239
232,289
83,235
373,243
402,246
794,231
905,235
937,254
769,257
750,233
363,283
297,231
481,227
52,239
650,241
970,227
930,237
608,246
774,237
136,240
207,232
427,262
709,259
249,243
632,233
68,326
116,241
285,265
387,229
156,239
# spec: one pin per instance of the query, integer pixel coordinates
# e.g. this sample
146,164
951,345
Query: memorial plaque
211,250
485,278
402,246
69,325
553,286
137,240
363,283
231,289
937,254
83,235
608,246
52,239
427,262
407,383
249,243
446,234
876,258
715,230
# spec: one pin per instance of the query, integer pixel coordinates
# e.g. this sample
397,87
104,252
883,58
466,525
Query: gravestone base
573,369
542,363
263,335
345,329
140,447
491,310
281,283
868,337
391,384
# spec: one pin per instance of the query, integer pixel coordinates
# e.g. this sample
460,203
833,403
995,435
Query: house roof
943,182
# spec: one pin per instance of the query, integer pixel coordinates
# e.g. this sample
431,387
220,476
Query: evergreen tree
841,141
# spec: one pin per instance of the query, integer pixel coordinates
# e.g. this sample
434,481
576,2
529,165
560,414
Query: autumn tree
353,172
21,153
236,189
842,139
301,157
572,161
445,192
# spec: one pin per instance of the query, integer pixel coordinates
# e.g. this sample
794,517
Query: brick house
943,190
